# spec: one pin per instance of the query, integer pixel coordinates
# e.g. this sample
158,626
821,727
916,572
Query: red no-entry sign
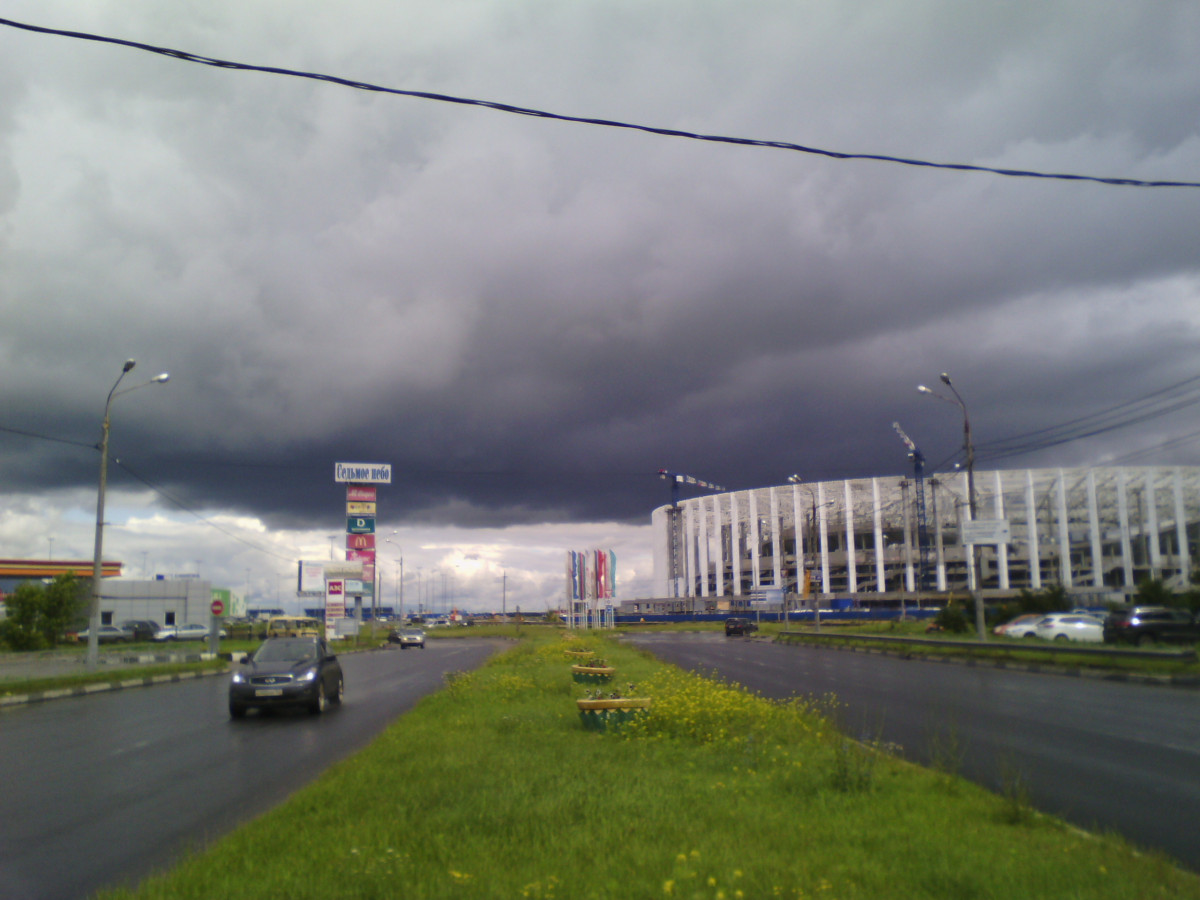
217,607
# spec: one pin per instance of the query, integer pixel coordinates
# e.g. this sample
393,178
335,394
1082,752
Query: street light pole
93,651
969,447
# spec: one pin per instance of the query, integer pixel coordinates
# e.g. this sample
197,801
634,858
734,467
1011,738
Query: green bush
952,618
39,614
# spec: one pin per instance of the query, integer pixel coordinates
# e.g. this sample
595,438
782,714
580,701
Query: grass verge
492,788
17,686
1023,651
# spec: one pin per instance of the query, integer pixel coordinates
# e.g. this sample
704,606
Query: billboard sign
357,508
312,577
363,473
342,569
360,493
360,525
360,542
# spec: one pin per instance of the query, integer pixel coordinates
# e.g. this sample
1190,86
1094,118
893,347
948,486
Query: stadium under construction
889,540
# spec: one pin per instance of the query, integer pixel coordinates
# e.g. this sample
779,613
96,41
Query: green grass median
493,788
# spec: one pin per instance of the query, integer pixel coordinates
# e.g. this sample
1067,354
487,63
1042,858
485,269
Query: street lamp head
795,479
161,379
945,379
921,389
129,364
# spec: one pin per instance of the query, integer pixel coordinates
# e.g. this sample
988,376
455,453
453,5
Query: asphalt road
102,790
1103,755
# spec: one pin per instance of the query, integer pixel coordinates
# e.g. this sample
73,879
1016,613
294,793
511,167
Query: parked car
1069,627
143,629
107,634
191,632
407,637
1023,626
1144,625
739,625
287,672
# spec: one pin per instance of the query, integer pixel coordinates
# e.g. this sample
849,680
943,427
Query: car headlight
308,675
239,678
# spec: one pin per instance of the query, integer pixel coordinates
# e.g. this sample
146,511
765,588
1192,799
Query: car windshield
287,650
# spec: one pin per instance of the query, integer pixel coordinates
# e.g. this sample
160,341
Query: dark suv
1149,624
143,629
287,671
737,625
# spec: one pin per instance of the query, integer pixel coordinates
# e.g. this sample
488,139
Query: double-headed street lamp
969,447
93,651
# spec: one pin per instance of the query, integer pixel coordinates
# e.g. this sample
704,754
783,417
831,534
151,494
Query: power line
185,56
1095,418
46,437
183,506
1153,405
1150,406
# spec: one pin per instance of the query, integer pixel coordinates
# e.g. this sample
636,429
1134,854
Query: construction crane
924,552
675,545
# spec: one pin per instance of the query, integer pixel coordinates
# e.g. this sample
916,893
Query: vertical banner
335,606
591,575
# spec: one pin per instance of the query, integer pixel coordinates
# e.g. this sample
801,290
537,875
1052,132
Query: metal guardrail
1054,648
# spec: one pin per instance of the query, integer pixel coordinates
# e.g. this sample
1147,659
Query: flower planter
603,714
585,674
580,654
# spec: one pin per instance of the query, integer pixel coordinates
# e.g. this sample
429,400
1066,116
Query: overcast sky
528,318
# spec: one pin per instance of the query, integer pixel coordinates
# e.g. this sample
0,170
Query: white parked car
1071,627
1024,626
191,632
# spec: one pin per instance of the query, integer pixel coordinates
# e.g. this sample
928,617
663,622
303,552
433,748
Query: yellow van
293,626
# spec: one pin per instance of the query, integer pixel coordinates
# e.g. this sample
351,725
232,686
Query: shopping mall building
1095,531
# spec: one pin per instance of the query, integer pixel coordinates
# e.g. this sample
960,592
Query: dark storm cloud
527,318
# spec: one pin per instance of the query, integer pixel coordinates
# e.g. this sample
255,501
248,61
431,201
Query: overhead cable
185,56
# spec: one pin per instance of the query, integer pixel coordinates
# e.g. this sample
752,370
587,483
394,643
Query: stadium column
1156,562
1001,549
1123,520
798,544
1064,534
880,580
735,545
755,544
851,562
1035,553
776,556
1094,531
822,511
1182,556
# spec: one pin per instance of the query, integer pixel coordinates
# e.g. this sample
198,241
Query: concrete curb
102,687
1175,681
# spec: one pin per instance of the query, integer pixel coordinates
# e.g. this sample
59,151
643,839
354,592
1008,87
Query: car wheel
318,703
1061,637
236,711
340,692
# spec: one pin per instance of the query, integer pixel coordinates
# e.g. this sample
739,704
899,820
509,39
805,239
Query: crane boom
924,553
675,548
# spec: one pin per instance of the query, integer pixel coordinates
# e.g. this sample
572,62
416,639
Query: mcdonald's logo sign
360,542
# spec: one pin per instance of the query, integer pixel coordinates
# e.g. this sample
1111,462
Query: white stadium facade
1097,532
